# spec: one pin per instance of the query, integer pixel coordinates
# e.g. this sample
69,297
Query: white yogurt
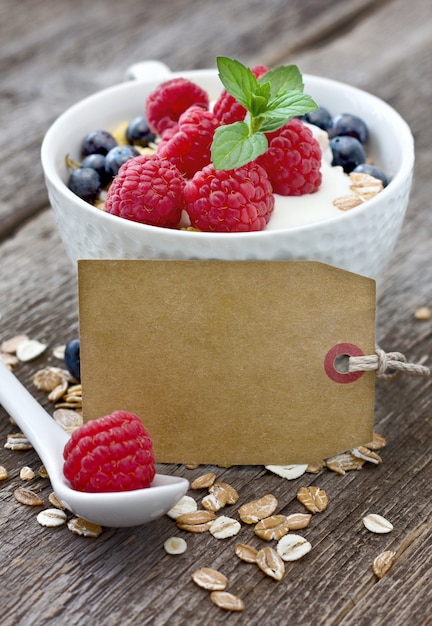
292,211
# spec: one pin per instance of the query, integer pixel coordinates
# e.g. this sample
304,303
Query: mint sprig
271,101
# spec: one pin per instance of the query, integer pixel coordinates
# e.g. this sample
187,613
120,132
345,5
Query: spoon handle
47,437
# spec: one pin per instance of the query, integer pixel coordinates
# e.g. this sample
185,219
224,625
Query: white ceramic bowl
360,240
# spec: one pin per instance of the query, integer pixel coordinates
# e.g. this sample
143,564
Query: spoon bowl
113,509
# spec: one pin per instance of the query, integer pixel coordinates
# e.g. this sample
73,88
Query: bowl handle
147,69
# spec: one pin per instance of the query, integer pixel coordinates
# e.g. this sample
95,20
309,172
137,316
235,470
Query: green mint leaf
284,108
258,105
270,101
282,79
237,79
233,146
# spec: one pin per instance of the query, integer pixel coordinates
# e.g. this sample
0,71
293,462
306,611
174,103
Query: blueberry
97,163
98,141
138,132
72,358
372,170
321,118
351,125
117,156
85,183
347,152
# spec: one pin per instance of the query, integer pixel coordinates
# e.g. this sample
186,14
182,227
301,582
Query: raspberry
226,107
147,189
168,101
293,160
189,147
235,200
112,453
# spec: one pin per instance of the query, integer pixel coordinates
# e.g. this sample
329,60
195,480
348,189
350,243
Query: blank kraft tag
229,362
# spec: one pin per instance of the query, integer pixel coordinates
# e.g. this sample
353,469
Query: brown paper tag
229,362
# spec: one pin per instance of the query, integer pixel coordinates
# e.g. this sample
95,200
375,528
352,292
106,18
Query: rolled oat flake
210,579
227,601
293,547
175,545
52,518
29,350
377,524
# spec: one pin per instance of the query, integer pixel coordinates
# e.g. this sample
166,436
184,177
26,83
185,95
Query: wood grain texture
55,56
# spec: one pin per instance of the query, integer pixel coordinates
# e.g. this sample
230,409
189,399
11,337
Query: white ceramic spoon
119,509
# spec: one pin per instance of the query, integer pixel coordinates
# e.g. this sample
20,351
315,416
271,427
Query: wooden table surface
52,54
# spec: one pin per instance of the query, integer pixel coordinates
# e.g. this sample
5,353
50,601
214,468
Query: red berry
189,147
226,107
112,453
148,189
293,160
235,200
170,99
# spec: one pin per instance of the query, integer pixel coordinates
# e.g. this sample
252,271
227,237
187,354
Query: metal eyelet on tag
341,350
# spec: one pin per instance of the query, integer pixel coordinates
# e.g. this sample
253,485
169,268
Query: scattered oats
26,473
271,563
70,403
344,462
313,498
83,527
49,378
27,496
231,493
9,360
204,482
365,185
345,203
192,466
52,518
423,314
59,391
74,391
196,521
293,547
17,441
55,501
315,468
42,471
220,495
227,601
3,473
175,545
383,562
256,510
377,524
10,346
290,472
273,527
215,501
367,455
209,578
68,419
297,521
246,553
59,352
186,504
30,349
378,442
223,527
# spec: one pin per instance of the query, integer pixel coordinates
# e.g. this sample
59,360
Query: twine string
386,364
